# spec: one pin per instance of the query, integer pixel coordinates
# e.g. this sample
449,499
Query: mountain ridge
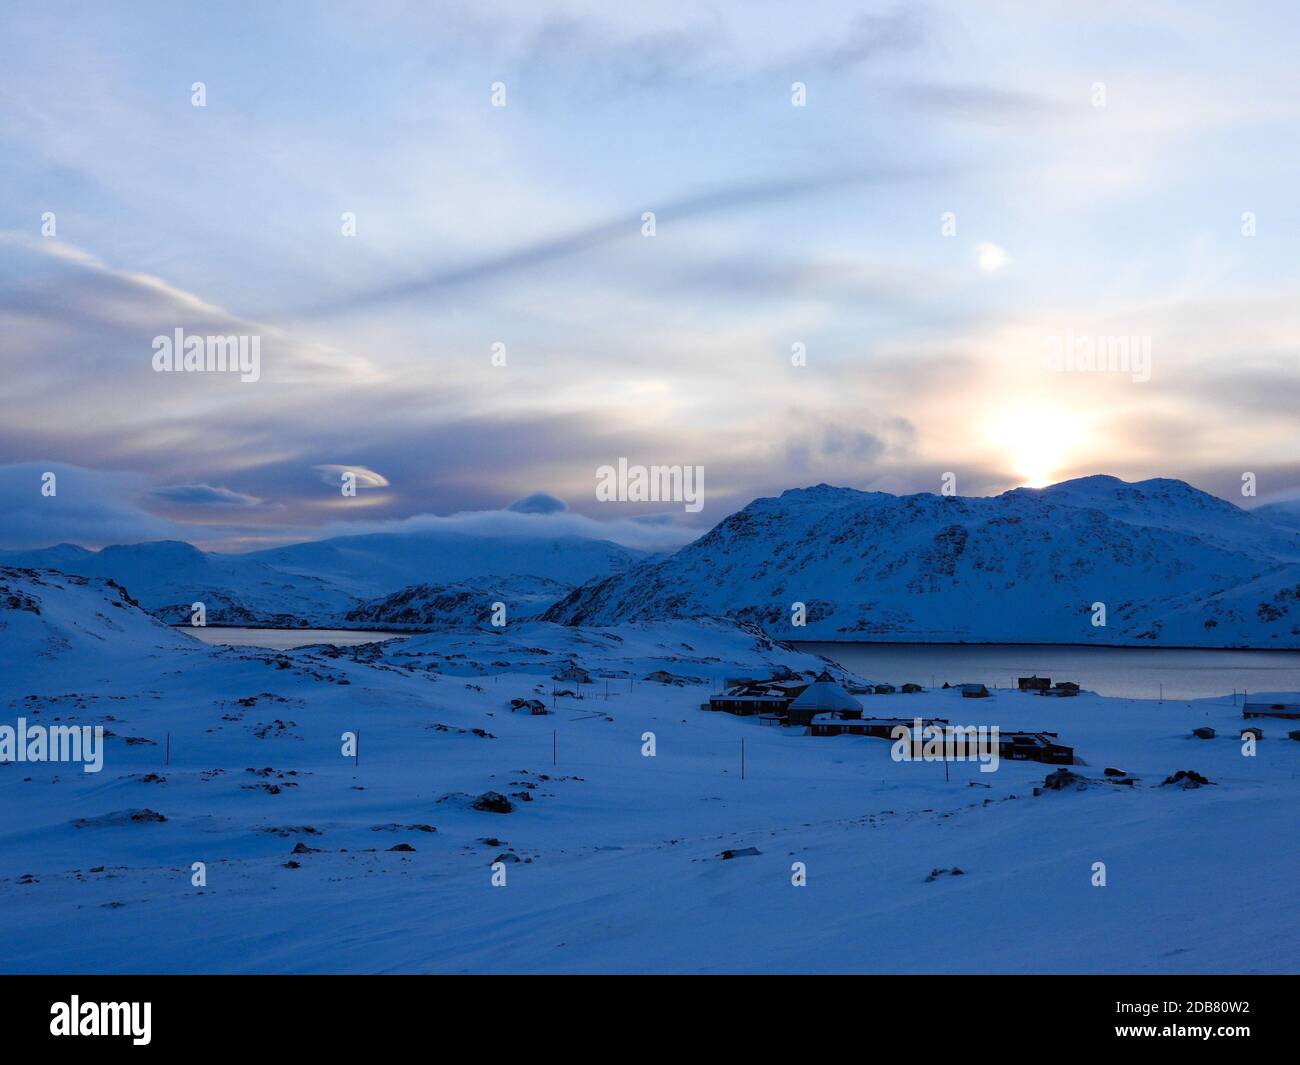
1172,566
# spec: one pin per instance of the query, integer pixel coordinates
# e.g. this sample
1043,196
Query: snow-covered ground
619,854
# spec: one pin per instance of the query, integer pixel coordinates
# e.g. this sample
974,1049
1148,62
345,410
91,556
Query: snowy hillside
1172,565
314,860
1286,514
464,603
74,622
317,583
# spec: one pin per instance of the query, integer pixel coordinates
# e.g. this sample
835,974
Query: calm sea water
1128,673
1135,673
285,639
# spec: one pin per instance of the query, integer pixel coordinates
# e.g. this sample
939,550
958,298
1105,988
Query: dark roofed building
1289,710
752,697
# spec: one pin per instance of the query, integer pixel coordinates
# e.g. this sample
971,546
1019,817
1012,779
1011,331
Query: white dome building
823,696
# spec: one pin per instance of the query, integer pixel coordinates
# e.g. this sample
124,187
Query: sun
1038,441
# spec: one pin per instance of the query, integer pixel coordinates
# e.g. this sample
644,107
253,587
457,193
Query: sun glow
1038,441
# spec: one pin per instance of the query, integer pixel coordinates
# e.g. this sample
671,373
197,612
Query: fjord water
284,639
1121,672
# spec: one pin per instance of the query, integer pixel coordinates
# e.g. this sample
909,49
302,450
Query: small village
825,707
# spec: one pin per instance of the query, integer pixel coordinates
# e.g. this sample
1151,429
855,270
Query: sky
965,188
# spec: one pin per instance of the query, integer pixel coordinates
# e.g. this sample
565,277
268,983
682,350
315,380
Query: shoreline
800,643
1015,643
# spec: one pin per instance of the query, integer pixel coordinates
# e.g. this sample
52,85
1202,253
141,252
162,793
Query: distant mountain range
1172,565
322,582
460,604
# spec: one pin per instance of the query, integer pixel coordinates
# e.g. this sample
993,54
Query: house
885,689
750,697
1289,710
574,673
911,689
1034,747
823,696
1034,684
1252,730
662,676
1064,690
973,691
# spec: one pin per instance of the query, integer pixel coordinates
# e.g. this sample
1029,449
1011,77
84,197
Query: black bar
333,1013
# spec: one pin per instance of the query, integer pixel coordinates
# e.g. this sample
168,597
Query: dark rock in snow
493,802
1062,779
121,817
739,852
405,847
1186,779
1204,733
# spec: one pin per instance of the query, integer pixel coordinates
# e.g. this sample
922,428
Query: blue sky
776,225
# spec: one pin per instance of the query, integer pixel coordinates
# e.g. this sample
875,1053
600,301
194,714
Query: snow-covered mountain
318,583
379,563
459,604
1285,513
76,622
1172,565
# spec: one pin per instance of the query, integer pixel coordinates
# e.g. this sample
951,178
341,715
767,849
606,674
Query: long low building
880,727
748,697
1014,746
1289,710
